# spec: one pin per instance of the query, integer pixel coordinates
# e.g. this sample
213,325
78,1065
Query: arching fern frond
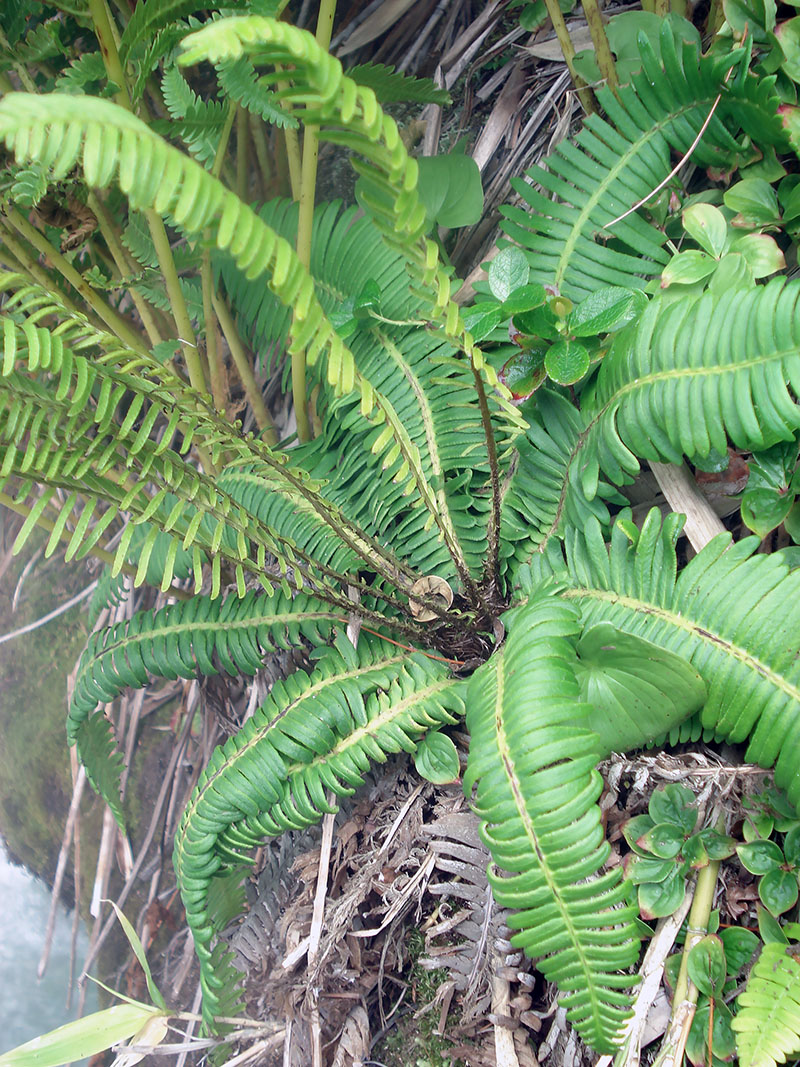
198,634
734,614
533,767
315,732
620,160
349,114
691,375
112,140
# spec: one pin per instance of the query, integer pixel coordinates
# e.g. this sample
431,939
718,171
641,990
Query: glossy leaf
707,965
778,891
758,857
566,362
436,758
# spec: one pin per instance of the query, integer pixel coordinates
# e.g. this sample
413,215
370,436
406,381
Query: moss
414,1041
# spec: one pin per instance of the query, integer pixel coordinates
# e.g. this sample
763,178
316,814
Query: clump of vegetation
448,537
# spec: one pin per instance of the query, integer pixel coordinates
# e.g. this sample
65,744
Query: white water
29,1007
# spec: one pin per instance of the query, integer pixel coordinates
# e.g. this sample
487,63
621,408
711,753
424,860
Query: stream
29,1007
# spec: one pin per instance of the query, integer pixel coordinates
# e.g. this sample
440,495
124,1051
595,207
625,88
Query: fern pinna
422,467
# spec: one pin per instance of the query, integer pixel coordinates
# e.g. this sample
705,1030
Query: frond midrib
576,937
577,228
319,685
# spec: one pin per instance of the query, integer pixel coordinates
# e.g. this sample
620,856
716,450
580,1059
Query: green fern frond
533,766
239,82
86,71
102,761
540,497
620,160
197,122
111,139
315,732
198,634
692,375
347,253
733,613
392,86
767,1024
29,185
332,100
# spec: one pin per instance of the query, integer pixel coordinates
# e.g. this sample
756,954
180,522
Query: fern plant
428,508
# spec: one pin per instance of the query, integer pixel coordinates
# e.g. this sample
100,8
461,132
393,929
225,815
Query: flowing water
29,1007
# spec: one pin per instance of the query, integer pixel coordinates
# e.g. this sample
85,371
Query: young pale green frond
767,1024
110,140
732,612
347,256
348,114
532,761
691,375
619,161
314,732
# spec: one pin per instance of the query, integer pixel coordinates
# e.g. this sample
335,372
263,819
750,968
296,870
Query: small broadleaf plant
443,517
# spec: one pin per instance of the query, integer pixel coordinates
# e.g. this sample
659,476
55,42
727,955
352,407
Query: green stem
114,70
262,152
242,363
35,271
111,318
216,371
305,222
242,155
602,51
124,265
684,1001
562,33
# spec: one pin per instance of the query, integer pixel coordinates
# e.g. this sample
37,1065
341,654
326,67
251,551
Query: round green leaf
508,271
707,225
769,929
761,253
707,967
760,857
635,829
566,362
525,298
757,825
733,272
524,372
636,689
718,846
723,1041
740,946
605,310
694,852
659,899
450,189
788,33
481,319
754,199
436,758
674,803
647,869
687,267
778,891
664,840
